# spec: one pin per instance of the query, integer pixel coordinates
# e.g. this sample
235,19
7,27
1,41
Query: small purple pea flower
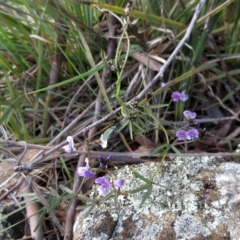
204,196
70,147
189,115
109,158
119,183
184,96
181,135
104,185
208,190
176,96
85,171
192,134
103,142
102,165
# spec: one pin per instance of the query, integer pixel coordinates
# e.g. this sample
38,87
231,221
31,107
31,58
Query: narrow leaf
138,175
146,195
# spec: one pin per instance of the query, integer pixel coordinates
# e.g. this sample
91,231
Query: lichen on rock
182,196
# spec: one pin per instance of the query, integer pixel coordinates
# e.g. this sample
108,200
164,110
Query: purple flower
163,84
119,183
67,148
104,185
88,174
189,115
184,96
176,96
70,147
208,190
102,165
109,158
181,135
205,196
192,134
85,171
103,142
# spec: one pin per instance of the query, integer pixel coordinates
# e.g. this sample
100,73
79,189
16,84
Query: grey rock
192,198
11,224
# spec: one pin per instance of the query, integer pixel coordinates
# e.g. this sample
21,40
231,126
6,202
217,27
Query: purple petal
119,183
103,141
204,196
70,147
103,181
109,158
87,163
67,149
184,96
192,134
103,190
102,165
176,96
81,171
189,115
105,185
71,143
85,172
89,174
181,135
209,190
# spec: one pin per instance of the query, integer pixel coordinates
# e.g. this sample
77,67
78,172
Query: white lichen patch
174,192
187,227
228,184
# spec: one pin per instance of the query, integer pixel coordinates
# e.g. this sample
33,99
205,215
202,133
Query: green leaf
137,125
158,106
65,189
54,203
136,14
165,151
84,206
11,107
126,122
53,192
138,175
146,195
67,197
116,199
157,149
90,210
81,76
41,218
177,151
130,129
108,132
140,189
66,168
84,198
107,196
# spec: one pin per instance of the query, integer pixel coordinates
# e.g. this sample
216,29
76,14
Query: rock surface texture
9,227
192,198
